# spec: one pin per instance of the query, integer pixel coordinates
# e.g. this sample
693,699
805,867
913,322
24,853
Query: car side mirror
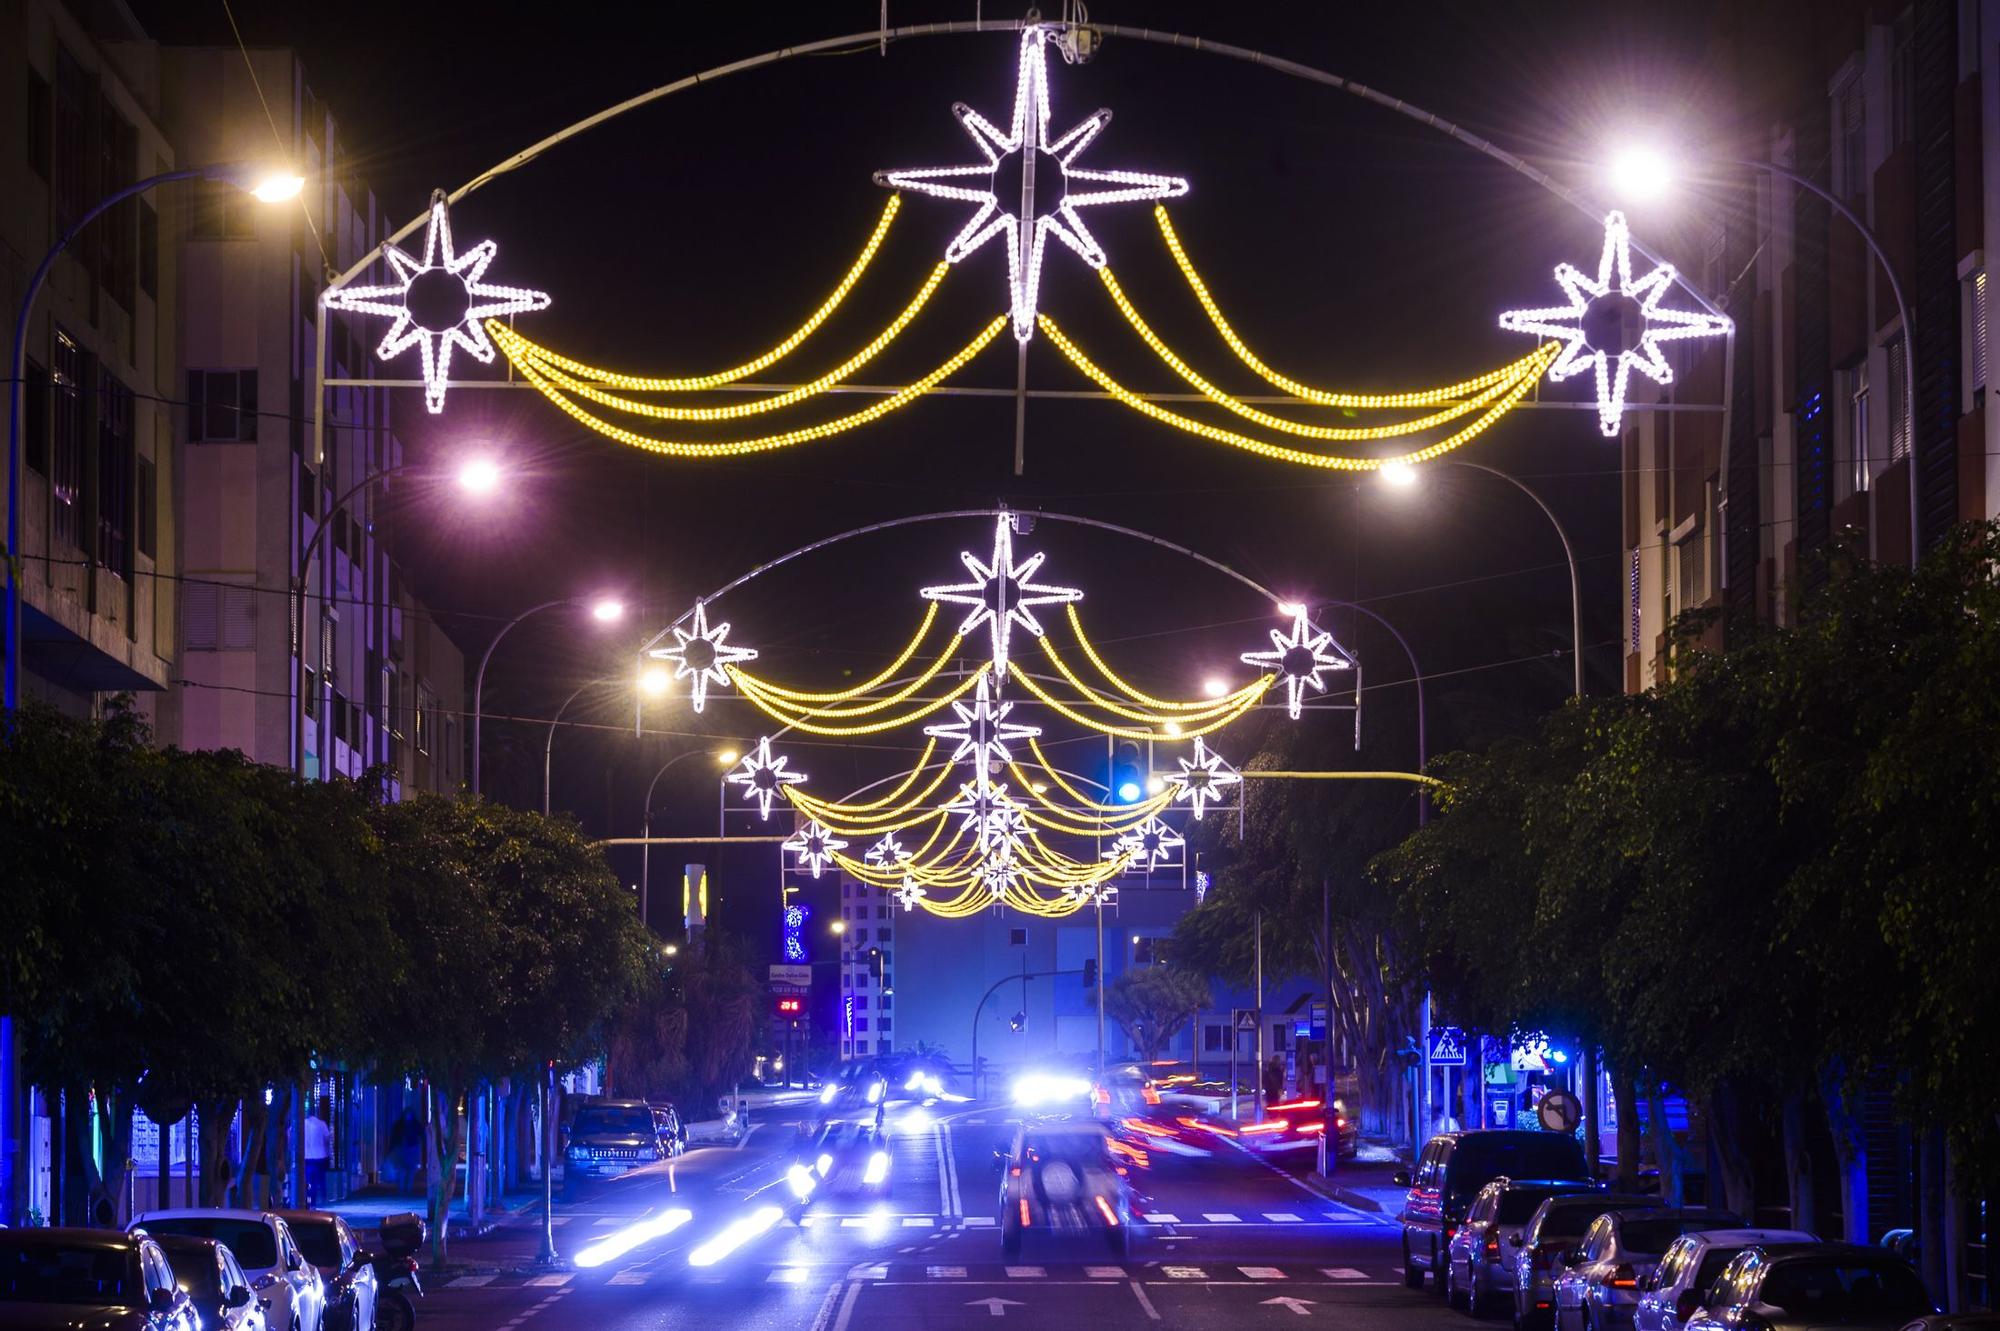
238,1296
1401,1178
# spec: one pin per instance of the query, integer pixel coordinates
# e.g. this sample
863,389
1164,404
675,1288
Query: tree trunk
1670,1152
476,1157
444,1136
163,1165
1798,1163
1725,1136
1932,1209
212,1121
1622,1095
1593,1140
1850,1153
116,1184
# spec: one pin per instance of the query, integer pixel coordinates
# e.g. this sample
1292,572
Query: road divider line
1139,1293
847,1307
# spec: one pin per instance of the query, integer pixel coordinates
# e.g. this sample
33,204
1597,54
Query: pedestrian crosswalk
901,1273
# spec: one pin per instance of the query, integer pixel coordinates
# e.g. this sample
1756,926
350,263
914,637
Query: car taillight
1492,1243
1623,1278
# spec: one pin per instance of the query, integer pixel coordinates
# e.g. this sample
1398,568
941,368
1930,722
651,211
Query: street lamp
723,758
605,610
652,684
837,928
269,186
1644,173
484,468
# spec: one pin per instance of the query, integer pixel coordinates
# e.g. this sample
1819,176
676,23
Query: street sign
1560,1111
1246,1018
798,977
1447,1047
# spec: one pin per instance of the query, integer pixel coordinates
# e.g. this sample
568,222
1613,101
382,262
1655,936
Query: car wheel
1440,1266
1413,1278
1453,1297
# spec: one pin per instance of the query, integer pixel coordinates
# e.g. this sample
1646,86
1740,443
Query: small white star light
814,846
1150,844
991,815
437,302
998,875
997,188
704,653
764,776
910,894
1299,658
1593,325
1001,593
1202,778
982,730
887,851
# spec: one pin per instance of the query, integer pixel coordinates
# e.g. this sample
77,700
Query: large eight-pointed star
438,302
1300,658
1027,170
1597,324
1001,593
704,653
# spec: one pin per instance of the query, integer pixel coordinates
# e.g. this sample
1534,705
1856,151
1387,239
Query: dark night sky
1348,244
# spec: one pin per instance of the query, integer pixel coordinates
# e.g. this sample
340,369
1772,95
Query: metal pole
1329,1140
1260,1014
548,1254
479,682
1101,978
1569,553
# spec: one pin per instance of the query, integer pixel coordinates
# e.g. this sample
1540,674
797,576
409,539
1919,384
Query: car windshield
1568,1220
625,1120
33,1272
195,1269
318,1241
1652,1237
250,1240
1479,1160
1518,1204
1846,1291
1712,1262
1086,1148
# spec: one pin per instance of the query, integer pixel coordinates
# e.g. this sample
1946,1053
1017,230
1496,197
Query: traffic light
1128,774
788,1007
1018,1021
1090,972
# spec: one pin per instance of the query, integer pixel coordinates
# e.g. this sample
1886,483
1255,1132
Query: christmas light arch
983,816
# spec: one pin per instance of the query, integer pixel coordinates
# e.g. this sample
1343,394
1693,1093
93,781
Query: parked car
268,1254
1479,1263
1452,1169
1550,1235
1599,1286
1058,1176
608,1138
351,1291
209,1274
95,1278
1679,1286
1956,1322
673,1133
1794,1287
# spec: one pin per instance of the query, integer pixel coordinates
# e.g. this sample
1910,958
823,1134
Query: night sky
1349,245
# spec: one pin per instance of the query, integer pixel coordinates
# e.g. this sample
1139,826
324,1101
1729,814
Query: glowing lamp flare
995,185
1593,324
703,653
1300,658
437,302
764,776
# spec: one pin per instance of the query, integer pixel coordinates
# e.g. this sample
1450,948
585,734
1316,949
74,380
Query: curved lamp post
604,610
726,757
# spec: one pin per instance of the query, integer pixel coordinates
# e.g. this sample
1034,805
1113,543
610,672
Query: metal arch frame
881,37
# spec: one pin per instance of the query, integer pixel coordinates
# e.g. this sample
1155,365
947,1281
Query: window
72,94
148,501
1899,416
115,459
118,166
222,617
424,722
1851,443
308,493
861,1002
1973,322
312,692
1214,1038
1634,596
66,445
222,405
860,1024
882,1023
35,417
1017,938
1851,118
1903,80
881,912
1148,951
38,125
1691,569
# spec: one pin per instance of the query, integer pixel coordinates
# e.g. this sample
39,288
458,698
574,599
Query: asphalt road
1230,1241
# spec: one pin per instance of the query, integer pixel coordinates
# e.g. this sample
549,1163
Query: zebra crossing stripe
1162,1218
471,1282
628,1278
1262,1272
1284,1217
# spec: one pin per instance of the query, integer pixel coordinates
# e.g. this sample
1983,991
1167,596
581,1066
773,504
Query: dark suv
1452,1169
608,1138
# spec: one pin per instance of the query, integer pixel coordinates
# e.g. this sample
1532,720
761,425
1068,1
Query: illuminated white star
814,846
991,815
1001,594
764,776
1592,324
1202,778
910,894
999,875
1149,845
887,851
995,184
1299,659
704,653
437,302
982,730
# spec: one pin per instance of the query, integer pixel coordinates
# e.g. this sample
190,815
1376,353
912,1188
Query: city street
1229,1240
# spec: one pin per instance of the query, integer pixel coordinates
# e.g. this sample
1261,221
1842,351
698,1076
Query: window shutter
239,619
200,613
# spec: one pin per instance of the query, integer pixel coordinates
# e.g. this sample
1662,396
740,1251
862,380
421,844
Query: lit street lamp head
480,476
726,758
278,188
1398,475
1640,174
608,610
838,927
655,683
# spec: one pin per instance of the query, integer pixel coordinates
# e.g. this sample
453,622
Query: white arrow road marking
996,1306
1298,1306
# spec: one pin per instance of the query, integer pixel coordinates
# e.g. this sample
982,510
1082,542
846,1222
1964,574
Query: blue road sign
1447,1047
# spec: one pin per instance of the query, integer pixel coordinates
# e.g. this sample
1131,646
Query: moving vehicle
269,1255
209,1274
95,1278
1550,1235
1600,1282
1679,1286
1793,1287
850,1158
1449,1173
608,1138
351,1290
673,1133
1480,1261
1059,1176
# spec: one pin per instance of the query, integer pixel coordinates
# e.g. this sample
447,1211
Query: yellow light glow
727,757
655,682
278,187
1399,475
800,720
1215,686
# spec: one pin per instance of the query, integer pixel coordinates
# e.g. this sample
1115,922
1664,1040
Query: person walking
319,1151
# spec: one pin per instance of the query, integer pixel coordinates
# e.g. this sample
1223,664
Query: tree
1152,1003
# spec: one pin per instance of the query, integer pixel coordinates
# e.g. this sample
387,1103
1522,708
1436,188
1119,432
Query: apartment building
79,120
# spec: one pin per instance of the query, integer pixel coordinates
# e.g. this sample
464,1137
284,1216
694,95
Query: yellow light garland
1117,681
888,700
1127,732
851,819
1211,709
801,722
765,443
521,351
1331,433
1318,396
1280,452
901,788
869,685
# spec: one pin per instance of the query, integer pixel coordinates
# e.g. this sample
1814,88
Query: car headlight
802,1181
825,1165
578,1153
874,1092
826,1093
878,1168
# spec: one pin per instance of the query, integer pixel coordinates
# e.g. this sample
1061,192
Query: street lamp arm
980,1008
1569,553
549,744
479,681
1417,673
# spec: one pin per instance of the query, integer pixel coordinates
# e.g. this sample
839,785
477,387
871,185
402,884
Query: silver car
1679,1287
1481,1262
1546,1242
1599,1290
269,1255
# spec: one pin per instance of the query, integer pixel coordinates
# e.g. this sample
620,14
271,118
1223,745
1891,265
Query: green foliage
1152,1003
688,1036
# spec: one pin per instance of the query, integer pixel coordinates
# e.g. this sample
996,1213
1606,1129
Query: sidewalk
1364,1183
365,1209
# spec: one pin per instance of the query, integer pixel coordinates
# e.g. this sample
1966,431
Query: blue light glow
1128,791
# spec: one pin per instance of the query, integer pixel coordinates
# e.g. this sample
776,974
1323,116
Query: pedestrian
1274,1079
319,1150
401,1156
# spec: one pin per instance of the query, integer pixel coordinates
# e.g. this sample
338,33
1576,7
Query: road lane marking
1220,1218
554,1280
825,1307
471,1282
1342,1273
1139,1293
1184,1273
945,1272
1262,1272
1026,1272
1283,1217
979,1221
628,1278
1104,1272
877,1271
994,1304
847,1307
1162,1218
604,1220
916,1222
788,1275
